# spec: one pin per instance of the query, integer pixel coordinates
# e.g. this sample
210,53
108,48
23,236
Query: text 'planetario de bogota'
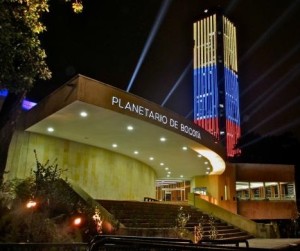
152,115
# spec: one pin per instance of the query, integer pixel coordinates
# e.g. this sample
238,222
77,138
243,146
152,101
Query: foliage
198,233
77,6
98,220
51,219
181,221
182,218
7,193
22,59
213,232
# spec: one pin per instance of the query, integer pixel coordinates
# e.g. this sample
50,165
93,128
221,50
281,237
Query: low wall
234,219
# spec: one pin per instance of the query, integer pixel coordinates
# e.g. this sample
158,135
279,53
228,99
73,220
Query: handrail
115,242
149,199
132,243
236,242
234,219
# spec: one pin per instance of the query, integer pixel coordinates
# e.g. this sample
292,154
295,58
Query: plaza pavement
294,244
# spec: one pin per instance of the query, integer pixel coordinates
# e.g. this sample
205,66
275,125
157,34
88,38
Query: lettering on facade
153,115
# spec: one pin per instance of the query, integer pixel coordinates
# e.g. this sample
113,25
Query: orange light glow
31,204
77,221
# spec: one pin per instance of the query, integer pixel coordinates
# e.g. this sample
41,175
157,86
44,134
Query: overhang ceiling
178,157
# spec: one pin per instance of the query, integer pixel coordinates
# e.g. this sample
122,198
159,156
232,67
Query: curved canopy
90,112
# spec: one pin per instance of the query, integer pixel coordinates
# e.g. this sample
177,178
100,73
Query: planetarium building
113,144
117,146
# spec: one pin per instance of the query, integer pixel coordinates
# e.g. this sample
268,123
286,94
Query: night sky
106,41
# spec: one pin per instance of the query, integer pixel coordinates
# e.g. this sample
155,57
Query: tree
22,60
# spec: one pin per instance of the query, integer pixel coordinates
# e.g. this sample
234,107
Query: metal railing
135,243
44,246
126,243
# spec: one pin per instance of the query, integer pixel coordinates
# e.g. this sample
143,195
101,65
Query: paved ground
273,243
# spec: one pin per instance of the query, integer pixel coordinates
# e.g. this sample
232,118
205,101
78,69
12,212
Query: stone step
159,219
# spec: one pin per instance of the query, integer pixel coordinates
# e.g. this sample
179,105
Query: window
265,190
242,189
272,190
257,190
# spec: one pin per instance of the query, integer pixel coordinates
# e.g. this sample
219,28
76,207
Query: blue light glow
232,96
26,104
3,93
206,93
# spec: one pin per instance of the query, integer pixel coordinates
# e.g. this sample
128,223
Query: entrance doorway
172,190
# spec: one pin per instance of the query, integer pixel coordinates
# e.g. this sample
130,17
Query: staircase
158,219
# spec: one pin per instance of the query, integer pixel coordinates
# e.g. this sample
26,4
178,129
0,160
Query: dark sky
106,41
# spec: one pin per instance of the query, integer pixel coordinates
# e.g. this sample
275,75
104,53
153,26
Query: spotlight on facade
83,114
50,129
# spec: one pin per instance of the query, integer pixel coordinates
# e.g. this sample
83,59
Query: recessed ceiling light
184,148
162,139
151,158
161,164
114,145
166,168
169,172
50,129
199,155
205,162
181,176
136,152
83,114
207,172
207,168
130,128
168,175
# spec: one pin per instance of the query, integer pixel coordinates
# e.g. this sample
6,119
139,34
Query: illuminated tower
216,91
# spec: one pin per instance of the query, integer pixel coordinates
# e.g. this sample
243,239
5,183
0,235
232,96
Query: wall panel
101,173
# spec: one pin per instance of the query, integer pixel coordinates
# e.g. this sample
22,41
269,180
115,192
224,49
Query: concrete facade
101,173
